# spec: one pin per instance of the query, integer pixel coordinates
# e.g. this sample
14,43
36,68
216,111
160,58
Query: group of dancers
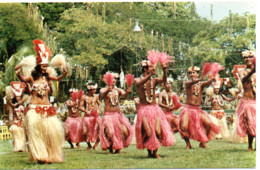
155,125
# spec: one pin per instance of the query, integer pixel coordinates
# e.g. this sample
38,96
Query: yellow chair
5,134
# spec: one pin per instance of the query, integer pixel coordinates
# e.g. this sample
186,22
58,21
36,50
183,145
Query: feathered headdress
43,52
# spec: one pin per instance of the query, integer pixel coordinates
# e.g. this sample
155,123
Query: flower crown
193,68
248,53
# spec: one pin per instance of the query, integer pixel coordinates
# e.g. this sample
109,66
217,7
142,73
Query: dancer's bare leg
184,125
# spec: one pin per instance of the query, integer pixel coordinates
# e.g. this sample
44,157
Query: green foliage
52,11
93,42
16,27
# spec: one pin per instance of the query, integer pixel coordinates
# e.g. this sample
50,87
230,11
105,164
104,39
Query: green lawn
219,154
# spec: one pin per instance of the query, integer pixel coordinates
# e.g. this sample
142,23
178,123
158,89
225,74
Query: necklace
113,101
149,100
92,104
196,88
74,110
218,99
167,100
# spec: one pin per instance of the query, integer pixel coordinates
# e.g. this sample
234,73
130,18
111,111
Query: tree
92,42
16,27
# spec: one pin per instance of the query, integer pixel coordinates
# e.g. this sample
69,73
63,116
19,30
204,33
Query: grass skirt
246,117
114,120
19,139
224,133
151,112
195,126
90,123
169,116
235,138
45,136
73,129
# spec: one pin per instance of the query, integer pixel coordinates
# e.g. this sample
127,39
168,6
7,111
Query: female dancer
44,130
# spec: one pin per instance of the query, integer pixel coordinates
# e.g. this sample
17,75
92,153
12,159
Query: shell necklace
149,100
92,104
218,99
167,100
113,101
74,109
196,88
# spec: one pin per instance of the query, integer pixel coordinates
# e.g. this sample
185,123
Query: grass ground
219,154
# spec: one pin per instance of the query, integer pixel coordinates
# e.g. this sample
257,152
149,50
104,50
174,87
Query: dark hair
147,67
37,72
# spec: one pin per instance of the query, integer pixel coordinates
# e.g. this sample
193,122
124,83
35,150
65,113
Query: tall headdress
18,88
43,52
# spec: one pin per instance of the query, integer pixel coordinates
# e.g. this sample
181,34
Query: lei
149,100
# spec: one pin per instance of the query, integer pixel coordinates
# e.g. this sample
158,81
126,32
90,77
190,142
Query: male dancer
195,123
152,129
90,104
246,112
116,131
73,122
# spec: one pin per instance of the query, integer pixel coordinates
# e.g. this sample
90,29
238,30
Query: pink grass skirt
195,127
151,112
90,123
169,116
73,126
114,120
246,117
